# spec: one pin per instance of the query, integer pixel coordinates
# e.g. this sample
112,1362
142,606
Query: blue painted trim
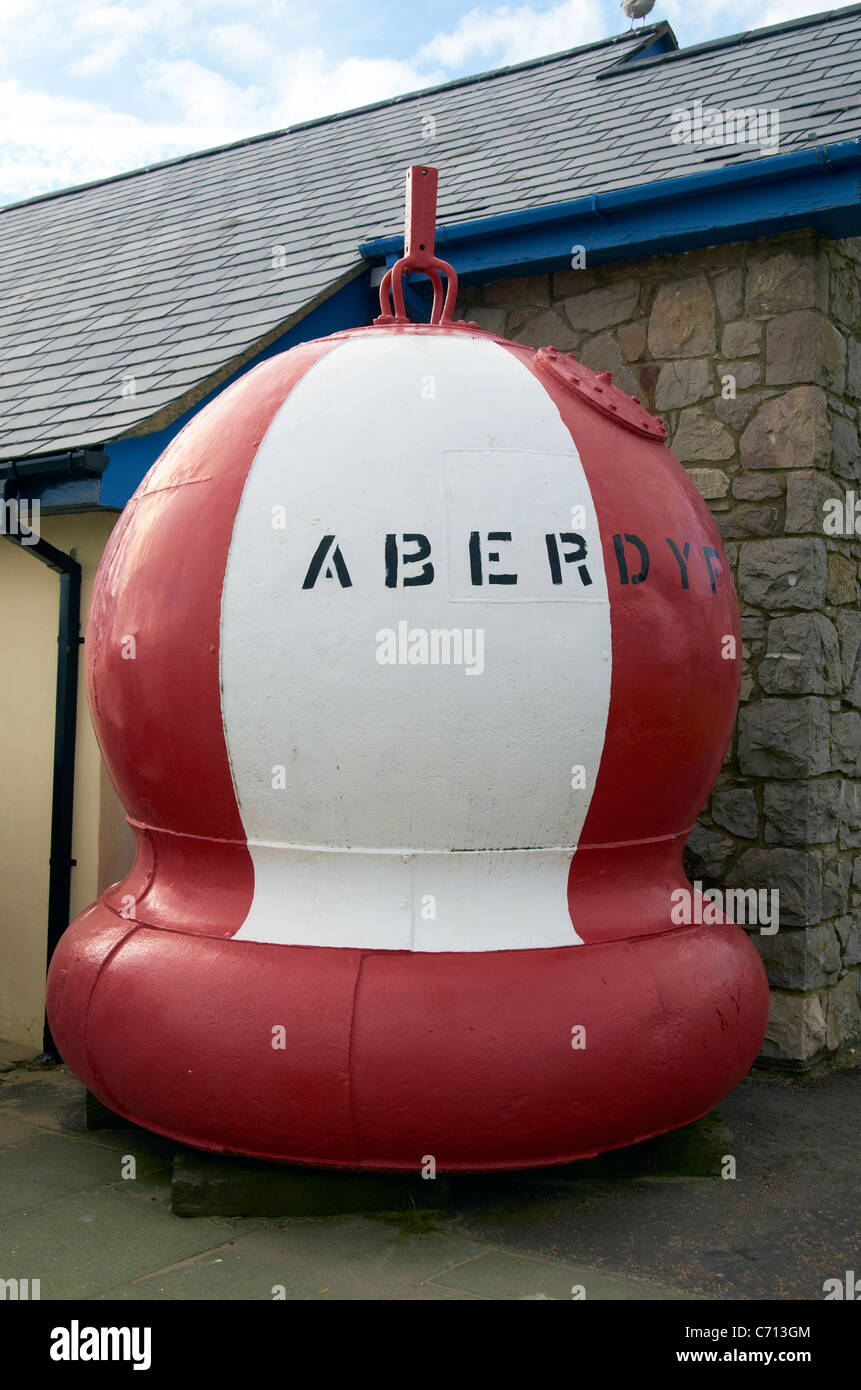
130,459
818,188
665,42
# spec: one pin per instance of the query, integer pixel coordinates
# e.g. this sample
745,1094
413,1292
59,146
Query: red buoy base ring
381,1059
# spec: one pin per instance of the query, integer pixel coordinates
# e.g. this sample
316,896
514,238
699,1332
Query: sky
89,89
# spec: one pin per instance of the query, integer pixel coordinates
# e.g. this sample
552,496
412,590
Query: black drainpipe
61,862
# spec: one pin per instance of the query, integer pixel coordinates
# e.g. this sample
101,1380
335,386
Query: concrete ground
787,1222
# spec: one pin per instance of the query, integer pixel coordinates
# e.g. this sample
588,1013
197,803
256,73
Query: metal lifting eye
419,237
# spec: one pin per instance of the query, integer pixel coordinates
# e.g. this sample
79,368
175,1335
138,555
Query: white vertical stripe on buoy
414,806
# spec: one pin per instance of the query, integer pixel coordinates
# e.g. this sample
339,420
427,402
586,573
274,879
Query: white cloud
300,86
781,11
107,36
311,86
514,34
726,17
240,45
15,13
55,142
201,97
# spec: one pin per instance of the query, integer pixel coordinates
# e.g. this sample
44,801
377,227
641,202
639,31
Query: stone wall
751,354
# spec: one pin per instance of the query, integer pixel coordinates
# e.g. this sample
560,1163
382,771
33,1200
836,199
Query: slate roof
167,273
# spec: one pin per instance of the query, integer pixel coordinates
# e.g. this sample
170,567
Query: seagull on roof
637,9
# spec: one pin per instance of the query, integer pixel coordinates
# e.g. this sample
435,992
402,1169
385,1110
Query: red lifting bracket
419,235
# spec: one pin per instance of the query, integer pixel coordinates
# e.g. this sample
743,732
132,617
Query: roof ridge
751,35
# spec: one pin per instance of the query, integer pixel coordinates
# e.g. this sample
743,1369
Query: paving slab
42,1167
132,1293
49,1100
434,1293
349,1258
12,1130
499,1275
89,1242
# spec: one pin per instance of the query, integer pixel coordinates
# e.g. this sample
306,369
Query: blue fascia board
130,459
819,187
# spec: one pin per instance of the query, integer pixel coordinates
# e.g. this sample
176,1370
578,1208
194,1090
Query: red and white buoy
412,660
